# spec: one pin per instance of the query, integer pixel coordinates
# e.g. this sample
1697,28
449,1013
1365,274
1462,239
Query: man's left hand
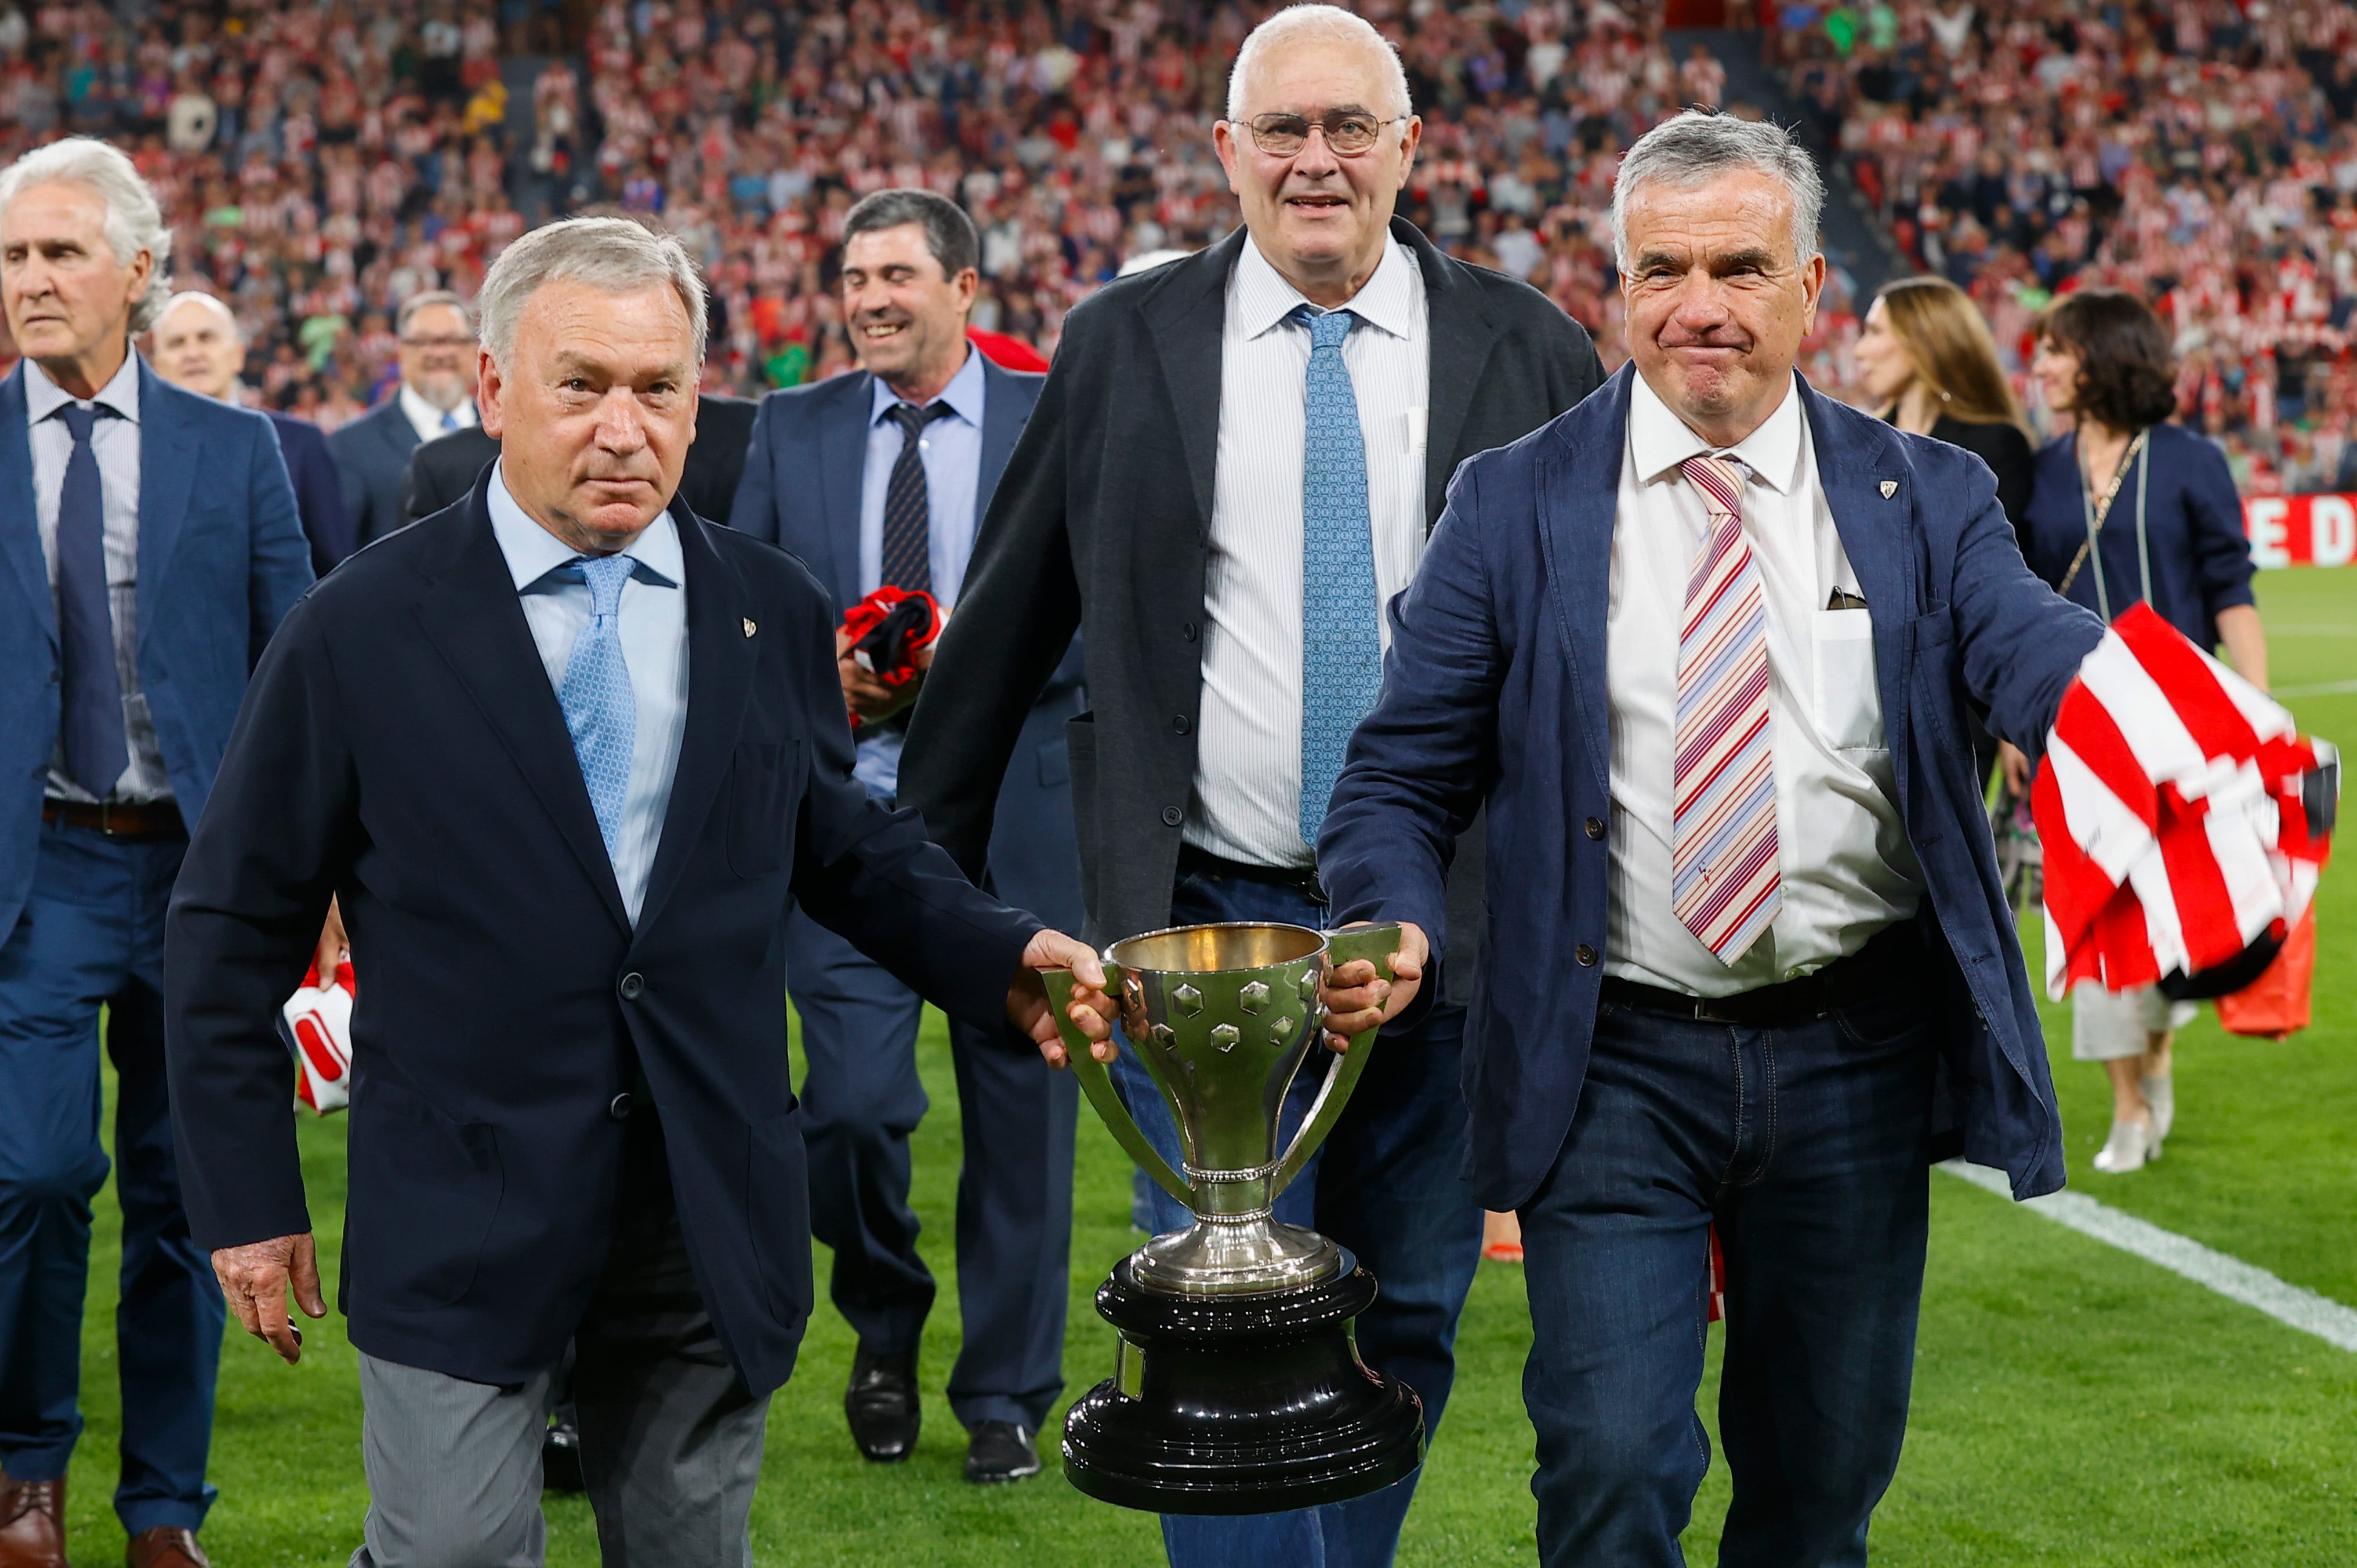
1091,1011
1357,999
335,946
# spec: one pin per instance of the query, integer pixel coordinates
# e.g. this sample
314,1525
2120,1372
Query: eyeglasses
438,342
1349,131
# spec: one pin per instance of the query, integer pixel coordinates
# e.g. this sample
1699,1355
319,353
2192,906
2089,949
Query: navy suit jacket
319,490
802,490
403,749
221,561
372,455
1495,692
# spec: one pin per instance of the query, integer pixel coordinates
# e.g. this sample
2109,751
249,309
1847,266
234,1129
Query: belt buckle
106,818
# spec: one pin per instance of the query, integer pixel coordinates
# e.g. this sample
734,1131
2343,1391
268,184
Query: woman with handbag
2127,508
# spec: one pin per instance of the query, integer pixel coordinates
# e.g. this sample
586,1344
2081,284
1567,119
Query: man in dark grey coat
1233,466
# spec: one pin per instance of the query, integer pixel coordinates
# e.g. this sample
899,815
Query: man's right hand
1357,999
866,695
255,1278
2015,763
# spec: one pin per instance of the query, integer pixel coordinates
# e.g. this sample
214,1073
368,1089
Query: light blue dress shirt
653,615
951,450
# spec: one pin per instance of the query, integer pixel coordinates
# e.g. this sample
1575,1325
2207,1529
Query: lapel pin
748,624
1889,488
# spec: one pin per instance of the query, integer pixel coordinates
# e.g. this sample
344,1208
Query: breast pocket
764,786
1848,704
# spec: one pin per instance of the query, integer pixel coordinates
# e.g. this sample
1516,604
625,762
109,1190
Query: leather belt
1303,879
146,820
1892,960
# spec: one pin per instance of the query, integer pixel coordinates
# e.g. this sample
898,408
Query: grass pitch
2072,1405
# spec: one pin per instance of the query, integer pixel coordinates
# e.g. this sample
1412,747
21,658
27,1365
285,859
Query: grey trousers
671,1438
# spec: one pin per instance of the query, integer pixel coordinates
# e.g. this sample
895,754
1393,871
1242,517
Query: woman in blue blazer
2126,508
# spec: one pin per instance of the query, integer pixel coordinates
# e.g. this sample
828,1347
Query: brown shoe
32,1523
165,1546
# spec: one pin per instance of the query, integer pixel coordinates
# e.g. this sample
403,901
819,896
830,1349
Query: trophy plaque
1237,1387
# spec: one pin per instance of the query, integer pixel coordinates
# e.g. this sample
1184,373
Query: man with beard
434,396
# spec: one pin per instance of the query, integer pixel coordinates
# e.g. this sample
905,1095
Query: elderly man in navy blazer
567,755
883,477
151,547
1703,648
432,397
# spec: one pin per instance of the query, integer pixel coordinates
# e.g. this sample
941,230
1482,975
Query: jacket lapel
470,614
1463,333
1188,308
843,468
1578,481
20,527
1853,464
167,464
1002,422
720,659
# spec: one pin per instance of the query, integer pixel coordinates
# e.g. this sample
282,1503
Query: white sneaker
2126,1149
2160,1097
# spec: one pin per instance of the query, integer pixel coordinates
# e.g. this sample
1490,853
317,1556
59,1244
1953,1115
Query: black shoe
560,1457
1001,1451
881,1404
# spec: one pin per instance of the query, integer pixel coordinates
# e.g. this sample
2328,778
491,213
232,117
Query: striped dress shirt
1246,801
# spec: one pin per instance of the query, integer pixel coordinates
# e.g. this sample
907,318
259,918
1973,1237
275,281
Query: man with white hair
152,547
566,754
1702,647
434,396
1234,465
200,348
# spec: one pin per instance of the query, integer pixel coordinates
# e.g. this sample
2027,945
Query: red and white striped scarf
2171,814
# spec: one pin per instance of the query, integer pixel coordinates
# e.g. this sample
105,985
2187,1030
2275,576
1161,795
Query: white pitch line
2287,1302
2322,689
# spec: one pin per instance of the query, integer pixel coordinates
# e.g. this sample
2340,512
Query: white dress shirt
653,615
1246,802
1842,859
426,419
115,442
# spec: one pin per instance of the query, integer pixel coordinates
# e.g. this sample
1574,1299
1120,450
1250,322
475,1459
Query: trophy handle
1097,1084
1376,944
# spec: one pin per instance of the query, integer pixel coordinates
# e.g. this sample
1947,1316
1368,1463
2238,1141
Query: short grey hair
1697,146
1319,24
134,221
948,232
427,299
219,305
609,253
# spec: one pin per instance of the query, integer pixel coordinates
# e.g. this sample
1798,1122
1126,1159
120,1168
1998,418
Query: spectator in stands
2129,508
434,396
117,688
1325,350
199,347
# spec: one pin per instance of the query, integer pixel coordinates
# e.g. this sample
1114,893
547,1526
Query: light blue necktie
599,709
449,419
1341,655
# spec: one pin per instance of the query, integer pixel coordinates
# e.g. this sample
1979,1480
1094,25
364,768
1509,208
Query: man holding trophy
1235,460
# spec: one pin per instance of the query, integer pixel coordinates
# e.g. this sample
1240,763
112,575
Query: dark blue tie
96,751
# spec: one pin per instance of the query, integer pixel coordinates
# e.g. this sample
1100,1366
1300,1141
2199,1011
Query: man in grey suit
1233,464
875,479
436,396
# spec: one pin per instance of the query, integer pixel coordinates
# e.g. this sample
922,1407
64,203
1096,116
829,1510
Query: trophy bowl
1237,1386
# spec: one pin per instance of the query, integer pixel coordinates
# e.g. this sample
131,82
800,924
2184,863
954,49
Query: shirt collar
533,553
964,394
44,397
424,416
1386,301
1658,440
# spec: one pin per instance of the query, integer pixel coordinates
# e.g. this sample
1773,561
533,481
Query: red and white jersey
2170,810
318,1027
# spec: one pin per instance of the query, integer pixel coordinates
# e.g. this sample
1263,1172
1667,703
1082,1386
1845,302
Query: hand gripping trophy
1238,1386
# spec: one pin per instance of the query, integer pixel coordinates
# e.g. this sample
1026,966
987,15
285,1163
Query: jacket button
1595,827
1585,954
1172,816
632,984
622,1105
1179,725
1188,631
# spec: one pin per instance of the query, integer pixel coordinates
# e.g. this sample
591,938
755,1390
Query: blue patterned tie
91,725
1341,655
599,710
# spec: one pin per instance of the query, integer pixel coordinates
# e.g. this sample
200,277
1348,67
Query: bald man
200,348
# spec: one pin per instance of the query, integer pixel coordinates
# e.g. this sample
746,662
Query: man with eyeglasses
436,395
1232,467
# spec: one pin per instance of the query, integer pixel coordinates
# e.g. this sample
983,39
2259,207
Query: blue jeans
1809,1148
1386,1186
92,933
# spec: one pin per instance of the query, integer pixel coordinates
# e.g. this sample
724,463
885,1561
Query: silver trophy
1239,1387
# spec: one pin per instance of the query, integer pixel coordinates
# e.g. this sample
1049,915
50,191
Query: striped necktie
1723,870
908,548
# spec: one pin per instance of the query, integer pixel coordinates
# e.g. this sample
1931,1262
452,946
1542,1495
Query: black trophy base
1240,1404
